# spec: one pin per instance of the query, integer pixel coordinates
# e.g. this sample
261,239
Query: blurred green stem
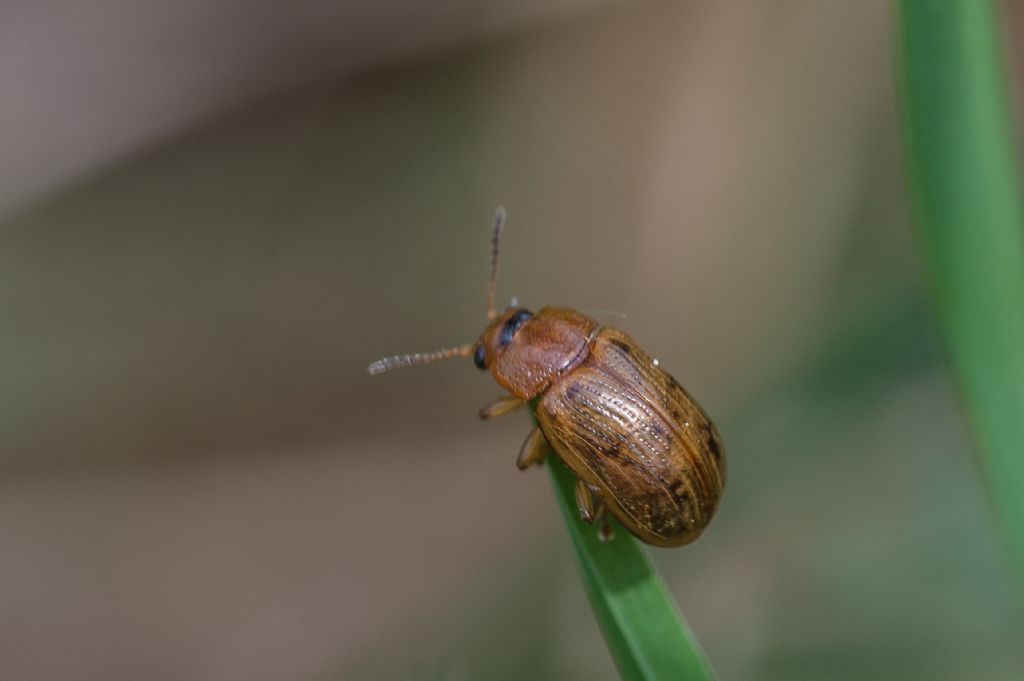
966,196
645,634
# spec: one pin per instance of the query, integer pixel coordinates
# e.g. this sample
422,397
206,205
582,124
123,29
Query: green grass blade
966,194
646,635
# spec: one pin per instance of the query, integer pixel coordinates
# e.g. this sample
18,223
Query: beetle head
498,336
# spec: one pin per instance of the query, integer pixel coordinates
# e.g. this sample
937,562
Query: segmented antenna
599,312
499,224
398,361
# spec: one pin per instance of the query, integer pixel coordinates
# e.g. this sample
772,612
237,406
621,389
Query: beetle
640,446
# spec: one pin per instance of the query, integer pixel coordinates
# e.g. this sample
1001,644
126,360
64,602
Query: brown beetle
639,445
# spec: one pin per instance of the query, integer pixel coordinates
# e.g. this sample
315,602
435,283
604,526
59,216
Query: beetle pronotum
639,445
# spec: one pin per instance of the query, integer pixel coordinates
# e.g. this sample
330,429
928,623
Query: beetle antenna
598,312
499,224
398,361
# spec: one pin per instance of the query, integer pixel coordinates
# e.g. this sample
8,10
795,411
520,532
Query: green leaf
966,194
645,633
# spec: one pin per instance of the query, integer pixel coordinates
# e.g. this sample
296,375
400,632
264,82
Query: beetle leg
593,511
500,407
534,449
604,530
589,507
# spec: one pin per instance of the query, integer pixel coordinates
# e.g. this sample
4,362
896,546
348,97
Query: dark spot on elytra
714,445
673,383
572,391
612,450
661,511
622,346
656,429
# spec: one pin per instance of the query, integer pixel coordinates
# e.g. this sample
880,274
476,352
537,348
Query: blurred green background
211,226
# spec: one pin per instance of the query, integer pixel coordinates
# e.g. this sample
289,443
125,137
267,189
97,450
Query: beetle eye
478,357
508,331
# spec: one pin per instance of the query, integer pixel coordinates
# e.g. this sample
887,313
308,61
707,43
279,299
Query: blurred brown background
214,215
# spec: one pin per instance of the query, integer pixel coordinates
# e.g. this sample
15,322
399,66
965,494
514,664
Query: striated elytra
641,447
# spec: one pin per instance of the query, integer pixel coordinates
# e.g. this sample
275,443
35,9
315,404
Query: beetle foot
500,407
598,517
585,502
533,451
